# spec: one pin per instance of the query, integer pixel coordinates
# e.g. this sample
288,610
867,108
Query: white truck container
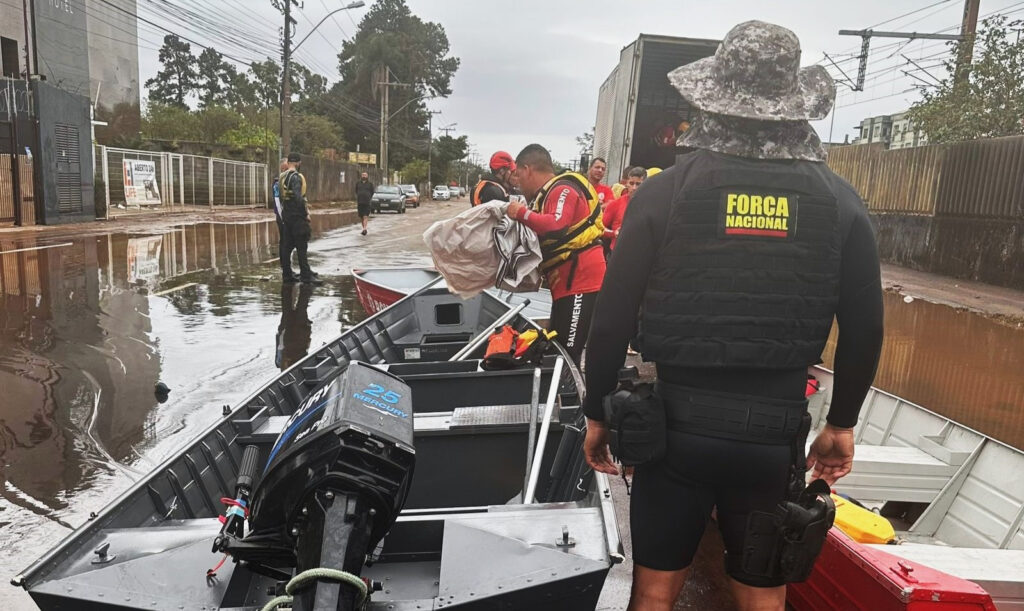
639,113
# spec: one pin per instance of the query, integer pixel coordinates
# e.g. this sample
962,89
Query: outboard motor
334,484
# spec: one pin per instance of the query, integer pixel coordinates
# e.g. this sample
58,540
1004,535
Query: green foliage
313,133
214,125
415,172
586,142
266,82
990,102
446,151
418,55
177,78
214,77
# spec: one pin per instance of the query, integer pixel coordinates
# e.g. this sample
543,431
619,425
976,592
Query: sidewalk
996,302
155,222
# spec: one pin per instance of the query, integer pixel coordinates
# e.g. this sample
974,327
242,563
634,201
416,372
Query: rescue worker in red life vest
595,174
566,216
740,255
615,211
497,184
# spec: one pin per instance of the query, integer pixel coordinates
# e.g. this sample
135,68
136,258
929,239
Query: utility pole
430,144
382,163
866,36
968,31
286,89
448,128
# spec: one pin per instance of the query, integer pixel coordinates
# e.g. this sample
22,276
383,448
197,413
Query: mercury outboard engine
334,483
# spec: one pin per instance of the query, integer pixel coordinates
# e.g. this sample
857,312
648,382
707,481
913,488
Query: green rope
309,575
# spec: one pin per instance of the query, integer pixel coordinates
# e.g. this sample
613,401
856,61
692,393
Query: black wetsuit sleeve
622,292
491,192
859,317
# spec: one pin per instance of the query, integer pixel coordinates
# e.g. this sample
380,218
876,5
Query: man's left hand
516,210
595,448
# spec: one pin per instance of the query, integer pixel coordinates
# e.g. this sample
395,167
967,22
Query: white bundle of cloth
482,248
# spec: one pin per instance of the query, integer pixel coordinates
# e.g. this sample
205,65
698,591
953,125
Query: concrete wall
55,106
983,249
12,25
62,44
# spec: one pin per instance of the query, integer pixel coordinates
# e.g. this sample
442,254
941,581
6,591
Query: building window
9,57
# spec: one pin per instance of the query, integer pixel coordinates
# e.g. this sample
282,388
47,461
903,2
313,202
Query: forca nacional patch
763,215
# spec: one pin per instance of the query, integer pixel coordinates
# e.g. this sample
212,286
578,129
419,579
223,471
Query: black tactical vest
748,274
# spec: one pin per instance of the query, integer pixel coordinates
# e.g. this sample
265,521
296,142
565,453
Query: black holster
636,423
784,545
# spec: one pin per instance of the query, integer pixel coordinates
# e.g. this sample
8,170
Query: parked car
412,195
388,197
462,191
441,192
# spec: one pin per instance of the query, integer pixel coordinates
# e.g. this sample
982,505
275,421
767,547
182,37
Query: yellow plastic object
861,525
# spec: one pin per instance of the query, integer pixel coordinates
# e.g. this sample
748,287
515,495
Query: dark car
412,195
388,197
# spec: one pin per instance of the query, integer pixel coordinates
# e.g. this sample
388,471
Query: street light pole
286,93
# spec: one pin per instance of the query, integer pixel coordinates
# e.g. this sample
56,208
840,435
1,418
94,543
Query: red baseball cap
501,159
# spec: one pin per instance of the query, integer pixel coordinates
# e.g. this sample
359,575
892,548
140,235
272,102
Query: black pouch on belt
636,422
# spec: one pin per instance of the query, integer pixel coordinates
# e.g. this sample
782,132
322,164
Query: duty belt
731,416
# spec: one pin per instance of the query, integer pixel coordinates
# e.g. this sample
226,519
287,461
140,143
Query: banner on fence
367,158
140,186
144,258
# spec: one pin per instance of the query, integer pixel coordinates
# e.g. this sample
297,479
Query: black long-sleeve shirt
859,312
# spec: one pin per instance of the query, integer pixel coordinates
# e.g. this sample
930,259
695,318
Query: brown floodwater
954,362
90,325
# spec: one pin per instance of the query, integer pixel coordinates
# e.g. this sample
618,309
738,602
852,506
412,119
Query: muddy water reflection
961,365
88,329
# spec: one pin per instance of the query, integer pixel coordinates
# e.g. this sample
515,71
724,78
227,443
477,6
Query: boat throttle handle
238,508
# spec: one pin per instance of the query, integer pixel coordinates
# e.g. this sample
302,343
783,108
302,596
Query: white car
441,192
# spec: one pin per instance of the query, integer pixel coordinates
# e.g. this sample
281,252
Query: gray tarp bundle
481,248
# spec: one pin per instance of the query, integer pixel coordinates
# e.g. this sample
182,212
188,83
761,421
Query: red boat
852,576
378,288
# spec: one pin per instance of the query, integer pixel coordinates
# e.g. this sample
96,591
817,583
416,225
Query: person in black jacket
741,256
296,229
497,184
364,195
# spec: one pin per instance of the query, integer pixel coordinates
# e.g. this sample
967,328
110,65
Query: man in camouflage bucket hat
741,255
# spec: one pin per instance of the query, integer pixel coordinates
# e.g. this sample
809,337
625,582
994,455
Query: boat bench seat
895,473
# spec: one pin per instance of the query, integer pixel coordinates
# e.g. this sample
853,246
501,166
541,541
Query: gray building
903,133
892,131
82,47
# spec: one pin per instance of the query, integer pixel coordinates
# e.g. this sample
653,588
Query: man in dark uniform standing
364,195
497,184
741,255
296,229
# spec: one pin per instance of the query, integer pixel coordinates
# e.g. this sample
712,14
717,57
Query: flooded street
89,325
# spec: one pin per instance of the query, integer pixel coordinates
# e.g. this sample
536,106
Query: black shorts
672,499
363,209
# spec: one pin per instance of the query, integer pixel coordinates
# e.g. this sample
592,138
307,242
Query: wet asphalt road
89,324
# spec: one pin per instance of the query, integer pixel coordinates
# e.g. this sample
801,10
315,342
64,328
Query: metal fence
146,181
981,178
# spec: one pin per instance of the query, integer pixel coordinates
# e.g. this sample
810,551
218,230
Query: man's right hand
516,210
831,454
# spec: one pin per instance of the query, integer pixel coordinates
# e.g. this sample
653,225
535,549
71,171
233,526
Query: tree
313,133
170,122
306,83
177,79
989,103
214,77
417,54
415,172
266,82
447,150
586,142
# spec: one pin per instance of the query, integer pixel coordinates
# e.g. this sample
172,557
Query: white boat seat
895,473
999,571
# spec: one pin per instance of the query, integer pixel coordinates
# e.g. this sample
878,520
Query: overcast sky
531,69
